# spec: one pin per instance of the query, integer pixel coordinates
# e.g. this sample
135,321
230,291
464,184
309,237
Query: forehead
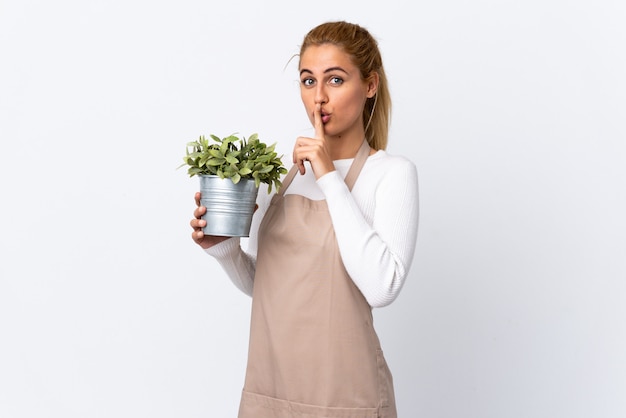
317,58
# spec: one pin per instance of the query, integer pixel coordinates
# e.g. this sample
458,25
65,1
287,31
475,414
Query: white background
513,111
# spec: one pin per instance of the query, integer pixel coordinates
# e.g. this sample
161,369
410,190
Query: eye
336,80
307,82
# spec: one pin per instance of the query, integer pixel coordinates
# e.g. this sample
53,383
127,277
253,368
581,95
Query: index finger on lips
317,122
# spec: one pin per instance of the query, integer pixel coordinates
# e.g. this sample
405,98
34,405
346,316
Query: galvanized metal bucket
229,207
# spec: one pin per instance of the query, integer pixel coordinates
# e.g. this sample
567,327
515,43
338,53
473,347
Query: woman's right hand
205,241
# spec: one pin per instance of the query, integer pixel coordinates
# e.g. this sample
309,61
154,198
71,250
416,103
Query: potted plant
230,171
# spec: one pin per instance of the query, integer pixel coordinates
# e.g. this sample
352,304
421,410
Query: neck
341,149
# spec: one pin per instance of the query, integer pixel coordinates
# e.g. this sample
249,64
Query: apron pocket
258,406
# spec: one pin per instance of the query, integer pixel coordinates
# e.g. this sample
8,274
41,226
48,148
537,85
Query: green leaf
224,148
194,155
216,161
216,153
231,160
193,171
245,171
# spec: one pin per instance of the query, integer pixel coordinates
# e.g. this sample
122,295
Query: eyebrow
328,70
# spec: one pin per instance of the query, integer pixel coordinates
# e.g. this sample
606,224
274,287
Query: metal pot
229,207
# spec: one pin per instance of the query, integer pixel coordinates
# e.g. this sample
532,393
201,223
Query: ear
372,85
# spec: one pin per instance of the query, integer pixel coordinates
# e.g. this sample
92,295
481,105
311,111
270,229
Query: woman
335,241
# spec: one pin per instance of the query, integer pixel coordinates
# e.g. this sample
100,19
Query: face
328,76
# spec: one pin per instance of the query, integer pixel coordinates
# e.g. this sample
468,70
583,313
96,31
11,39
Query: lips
325,117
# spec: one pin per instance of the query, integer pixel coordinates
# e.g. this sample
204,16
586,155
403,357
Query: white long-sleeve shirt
375,225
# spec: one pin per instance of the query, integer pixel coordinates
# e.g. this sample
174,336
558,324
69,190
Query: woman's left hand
315,150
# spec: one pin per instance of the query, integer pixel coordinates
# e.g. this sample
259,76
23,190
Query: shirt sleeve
238,265
378,252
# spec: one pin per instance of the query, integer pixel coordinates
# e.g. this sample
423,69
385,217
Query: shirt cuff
224,249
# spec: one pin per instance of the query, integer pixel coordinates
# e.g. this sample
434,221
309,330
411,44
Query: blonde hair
361,46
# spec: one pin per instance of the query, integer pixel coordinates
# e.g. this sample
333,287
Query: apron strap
353,173
357,165
288,178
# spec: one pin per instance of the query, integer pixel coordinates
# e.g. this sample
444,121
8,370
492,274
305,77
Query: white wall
513,112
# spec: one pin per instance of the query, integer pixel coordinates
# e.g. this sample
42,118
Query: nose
320,95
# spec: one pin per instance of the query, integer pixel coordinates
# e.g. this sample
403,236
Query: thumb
317,122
